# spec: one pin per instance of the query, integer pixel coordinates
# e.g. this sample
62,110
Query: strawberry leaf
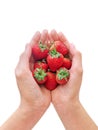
54,53
39,74
63,74
42,46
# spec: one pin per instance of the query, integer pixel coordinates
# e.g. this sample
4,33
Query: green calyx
40,74
42,46
54,53
63,74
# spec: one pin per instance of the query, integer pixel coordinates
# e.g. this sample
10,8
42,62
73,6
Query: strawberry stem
39,74
42,46
63,74
54,53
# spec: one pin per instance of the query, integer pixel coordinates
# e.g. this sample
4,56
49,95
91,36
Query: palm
30,91
66,92
44,94
71,89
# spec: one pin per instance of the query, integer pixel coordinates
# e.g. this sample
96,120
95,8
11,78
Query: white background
20,19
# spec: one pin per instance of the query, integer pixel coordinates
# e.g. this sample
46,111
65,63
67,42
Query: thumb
24,58
76,57
27,53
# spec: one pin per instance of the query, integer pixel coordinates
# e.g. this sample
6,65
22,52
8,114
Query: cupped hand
32,95
70,91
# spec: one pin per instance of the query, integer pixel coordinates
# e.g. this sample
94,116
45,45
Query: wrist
74,116
33,106
66,105
32,110
28,114
25,113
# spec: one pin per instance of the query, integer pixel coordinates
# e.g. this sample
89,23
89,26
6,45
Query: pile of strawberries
51,64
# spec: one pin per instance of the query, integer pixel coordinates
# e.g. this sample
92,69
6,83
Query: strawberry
60,47
40,51
40,75
67,63
40,64
54,60
51,83
62,76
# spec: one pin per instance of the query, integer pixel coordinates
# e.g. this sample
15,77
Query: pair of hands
39,98
35,99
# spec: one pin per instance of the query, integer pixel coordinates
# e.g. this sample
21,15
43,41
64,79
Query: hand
65,94
33,97
65,98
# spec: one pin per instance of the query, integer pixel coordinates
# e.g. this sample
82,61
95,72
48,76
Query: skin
66,98
35,100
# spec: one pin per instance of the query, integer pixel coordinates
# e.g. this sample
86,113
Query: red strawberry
60,47
62,76
40,64
40,51
51,83
40,75
67,63
54,60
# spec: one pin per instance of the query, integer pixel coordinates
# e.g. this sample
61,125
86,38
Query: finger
36,38
25,57
28,51
76,58
54,35
63,39
44,36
